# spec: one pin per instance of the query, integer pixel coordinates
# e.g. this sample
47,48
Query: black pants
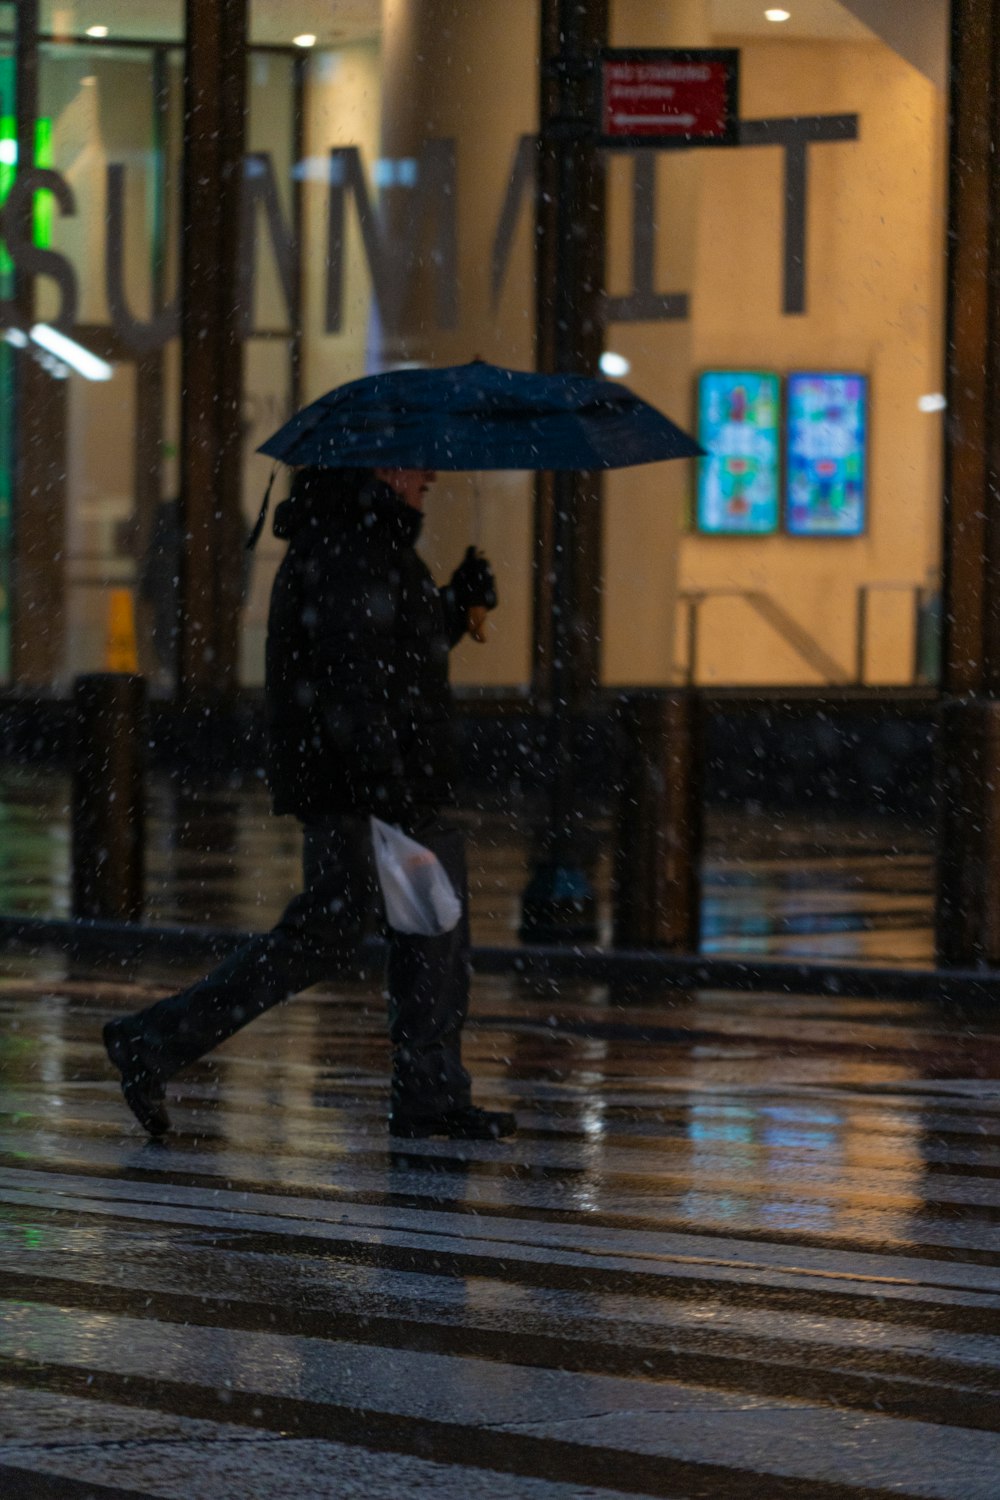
318,933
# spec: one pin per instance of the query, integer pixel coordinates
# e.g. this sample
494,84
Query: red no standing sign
670,98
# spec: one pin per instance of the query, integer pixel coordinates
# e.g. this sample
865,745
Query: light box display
826,457
738,426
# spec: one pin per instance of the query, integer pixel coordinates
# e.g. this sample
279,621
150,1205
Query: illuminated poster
827,421
738,428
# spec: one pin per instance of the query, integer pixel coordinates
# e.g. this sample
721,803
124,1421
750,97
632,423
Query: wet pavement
742,1247
788,885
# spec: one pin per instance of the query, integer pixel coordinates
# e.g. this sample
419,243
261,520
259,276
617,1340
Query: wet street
788,885
741,1247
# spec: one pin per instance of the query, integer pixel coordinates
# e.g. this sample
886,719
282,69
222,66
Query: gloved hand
472,582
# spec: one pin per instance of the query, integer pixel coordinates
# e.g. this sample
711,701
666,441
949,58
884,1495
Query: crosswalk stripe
679,1281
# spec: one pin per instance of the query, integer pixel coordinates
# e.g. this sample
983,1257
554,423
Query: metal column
968,780
215,60
559,902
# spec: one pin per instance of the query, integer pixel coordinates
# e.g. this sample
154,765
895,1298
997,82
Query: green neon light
44,211
44,202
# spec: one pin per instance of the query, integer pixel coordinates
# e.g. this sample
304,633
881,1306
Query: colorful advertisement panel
738,416
826,456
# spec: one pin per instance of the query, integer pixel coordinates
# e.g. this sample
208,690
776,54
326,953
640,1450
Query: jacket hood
329,502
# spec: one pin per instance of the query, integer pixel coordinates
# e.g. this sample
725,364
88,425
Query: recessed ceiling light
936,401
97,31
305,40
777,15
614,364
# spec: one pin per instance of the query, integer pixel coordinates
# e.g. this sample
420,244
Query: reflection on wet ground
791,885
742,1247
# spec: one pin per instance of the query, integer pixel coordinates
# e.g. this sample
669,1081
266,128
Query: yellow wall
876,236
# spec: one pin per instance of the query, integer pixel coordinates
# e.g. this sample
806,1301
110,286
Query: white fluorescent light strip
71,353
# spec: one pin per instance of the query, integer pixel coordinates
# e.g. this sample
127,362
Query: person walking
360,722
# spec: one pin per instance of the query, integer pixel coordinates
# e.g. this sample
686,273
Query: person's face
410,485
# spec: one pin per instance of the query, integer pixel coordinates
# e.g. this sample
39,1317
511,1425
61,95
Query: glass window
802,250
395,157
110,117
8,159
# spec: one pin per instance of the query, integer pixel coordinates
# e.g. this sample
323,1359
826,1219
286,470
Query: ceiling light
97,31
614,364
69,352
305,40
777,15
934,402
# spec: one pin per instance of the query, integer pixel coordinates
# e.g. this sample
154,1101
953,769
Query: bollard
658,846
107,812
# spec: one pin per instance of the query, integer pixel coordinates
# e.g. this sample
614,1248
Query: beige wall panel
341,109
270,125
469,72
342,100
101,112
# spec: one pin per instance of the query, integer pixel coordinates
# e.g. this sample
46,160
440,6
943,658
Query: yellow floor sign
121,653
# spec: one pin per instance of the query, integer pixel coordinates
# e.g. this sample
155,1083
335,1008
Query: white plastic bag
419,897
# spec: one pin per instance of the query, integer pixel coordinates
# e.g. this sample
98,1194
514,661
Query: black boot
465,1123
142,1084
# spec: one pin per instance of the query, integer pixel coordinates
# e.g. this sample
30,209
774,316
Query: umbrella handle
476,621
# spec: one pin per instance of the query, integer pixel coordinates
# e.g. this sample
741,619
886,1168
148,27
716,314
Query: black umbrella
479,416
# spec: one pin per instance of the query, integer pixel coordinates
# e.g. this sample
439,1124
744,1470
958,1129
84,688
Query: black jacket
359,706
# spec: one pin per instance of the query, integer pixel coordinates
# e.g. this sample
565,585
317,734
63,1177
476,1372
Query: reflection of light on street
591,1120
798,1129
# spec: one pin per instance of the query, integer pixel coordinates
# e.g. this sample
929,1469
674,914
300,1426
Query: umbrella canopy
479,416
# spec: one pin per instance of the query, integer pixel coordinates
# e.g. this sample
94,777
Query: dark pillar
659,829
559,901
107,815
211,349
968,866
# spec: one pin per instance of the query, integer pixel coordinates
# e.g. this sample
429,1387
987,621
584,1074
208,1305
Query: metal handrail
791,631
921,595
795,635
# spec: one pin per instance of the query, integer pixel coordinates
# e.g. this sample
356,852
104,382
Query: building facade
785,296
